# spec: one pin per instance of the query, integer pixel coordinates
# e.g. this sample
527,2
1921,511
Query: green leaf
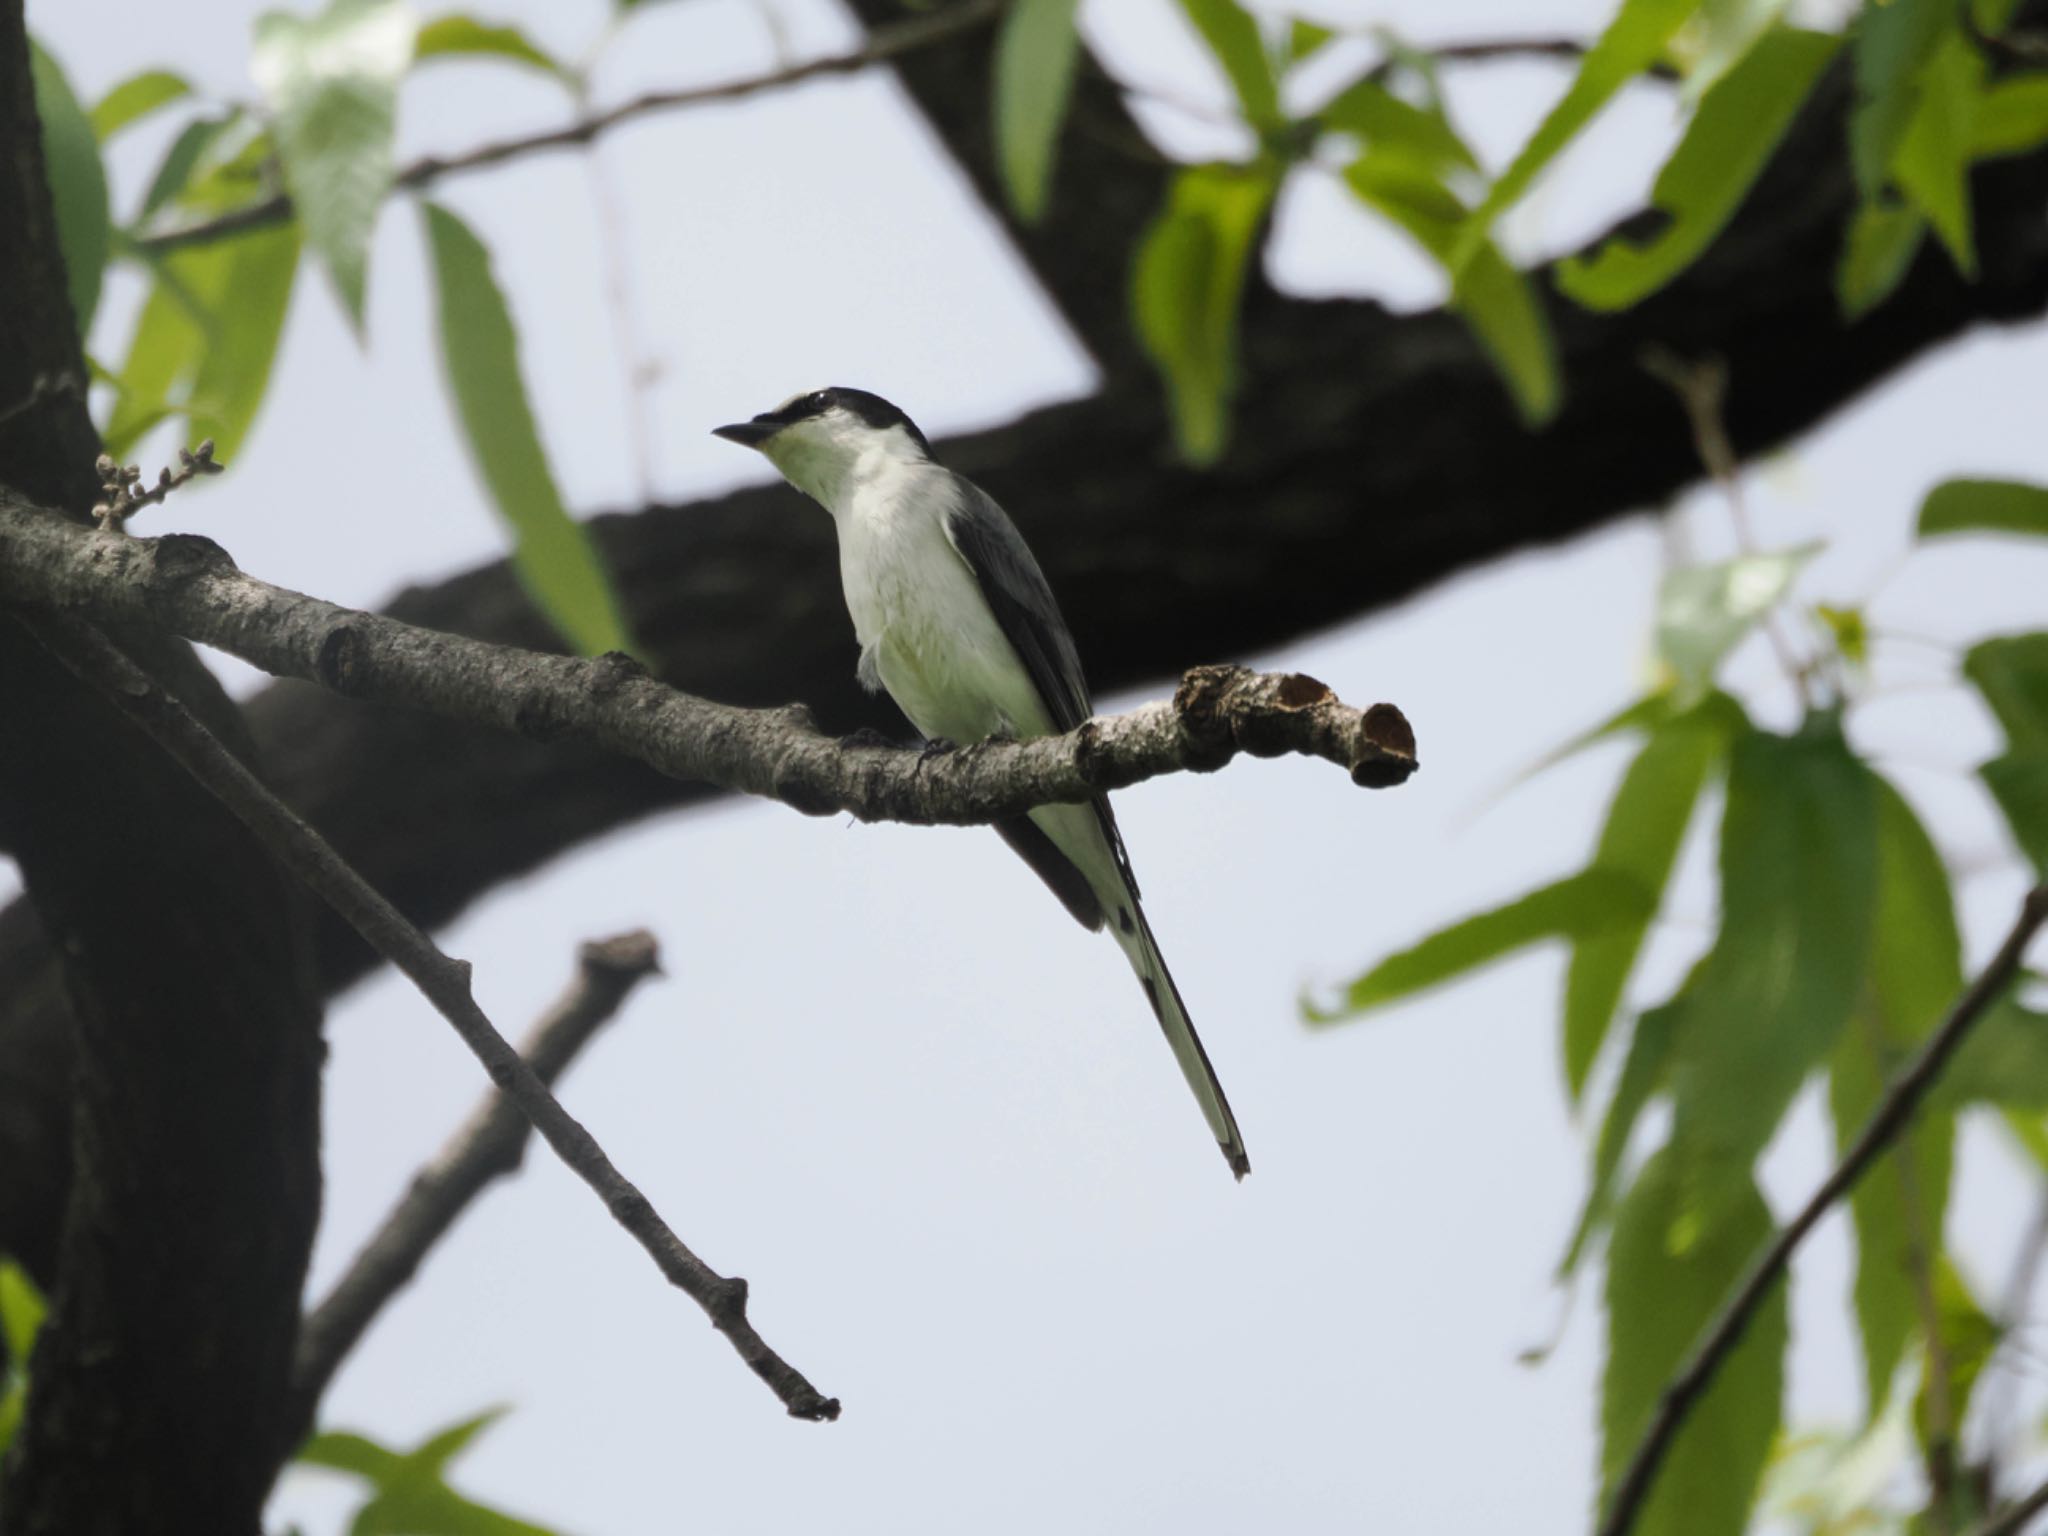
1640,840
411,1496
1387,123
206,340
1733,134
1893,43
1969,1338
1877,254
135,98
1633,41
1643,1072
1034,76
1494,299
174,172
1188,281
1305,38
2004,1061
233,373
2011,671
1932,161
1233,37
2012,117
1667,1275
2018,781
332,83
1916,973
458,36
1577,907
552,553
1799,866
22,1310
78,185
1704,611
1728,30
1984,506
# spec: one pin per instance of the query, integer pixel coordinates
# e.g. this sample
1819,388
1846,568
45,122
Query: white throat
834,461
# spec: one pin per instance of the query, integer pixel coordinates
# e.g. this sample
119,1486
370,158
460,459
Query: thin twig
189,586
1886,1123
121,484
2007,1522
883,44
444,981
489,1146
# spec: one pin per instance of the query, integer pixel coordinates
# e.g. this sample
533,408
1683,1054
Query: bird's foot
937,746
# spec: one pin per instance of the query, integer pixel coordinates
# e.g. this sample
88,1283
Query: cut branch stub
1224,710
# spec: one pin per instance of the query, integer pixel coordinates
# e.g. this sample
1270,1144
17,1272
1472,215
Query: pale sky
887,1079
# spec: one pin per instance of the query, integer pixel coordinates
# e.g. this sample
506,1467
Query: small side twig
443,980
1892,1115
490,1146
121,484
2007,1522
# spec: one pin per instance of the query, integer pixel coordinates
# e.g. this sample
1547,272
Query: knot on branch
1224,709
185,557
339,660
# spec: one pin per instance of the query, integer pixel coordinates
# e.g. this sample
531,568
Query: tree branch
444,981
489,1146
1893,1113
190,586
883,44
2007,1522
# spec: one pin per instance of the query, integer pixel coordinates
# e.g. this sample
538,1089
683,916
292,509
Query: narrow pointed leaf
1730,29
135,98
1643,1073
78,185
552,553
1667,1275
1645,825
1731,137
1799,866
1188,281
1916,974
1233,37
1495,301
459,37
1580,906
331,80
2012,117
174,172
1386,122
1892,45
1034,77
1633,41
1879,250
1984,506
233,375
1932,161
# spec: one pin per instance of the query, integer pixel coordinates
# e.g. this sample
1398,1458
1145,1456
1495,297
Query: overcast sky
887,1079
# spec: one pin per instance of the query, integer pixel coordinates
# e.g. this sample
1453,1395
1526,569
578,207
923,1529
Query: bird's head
827,439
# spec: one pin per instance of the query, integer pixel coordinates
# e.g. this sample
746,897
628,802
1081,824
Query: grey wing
1016,592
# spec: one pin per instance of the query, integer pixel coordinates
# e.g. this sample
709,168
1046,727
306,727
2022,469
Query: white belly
920,617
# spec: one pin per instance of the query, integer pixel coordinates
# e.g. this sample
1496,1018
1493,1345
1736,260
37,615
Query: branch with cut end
883,44
190,586
489,1147
443,980
1886,1124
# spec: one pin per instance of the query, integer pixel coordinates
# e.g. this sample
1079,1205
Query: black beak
749,434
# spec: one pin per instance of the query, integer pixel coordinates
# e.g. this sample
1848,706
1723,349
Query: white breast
919,614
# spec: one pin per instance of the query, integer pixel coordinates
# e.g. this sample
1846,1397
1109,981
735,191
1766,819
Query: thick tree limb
884,44
490,1146
158,1154
1886,1124
191,587
441,979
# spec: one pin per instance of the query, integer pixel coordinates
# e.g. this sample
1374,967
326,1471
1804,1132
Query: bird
957,623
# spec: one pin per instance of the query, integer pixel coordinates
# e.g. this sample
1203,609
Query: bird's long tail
1134,935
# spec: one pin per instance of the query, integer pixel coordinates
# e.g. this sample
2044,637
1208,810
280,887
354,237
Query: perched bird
956,621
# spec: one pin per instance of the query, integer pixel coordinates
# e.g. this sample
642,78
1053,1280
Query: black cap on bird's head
859,404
